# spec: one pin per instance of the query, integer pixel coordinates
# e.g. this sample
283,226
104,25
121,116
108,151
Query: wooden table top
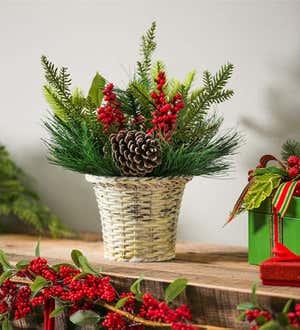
204,265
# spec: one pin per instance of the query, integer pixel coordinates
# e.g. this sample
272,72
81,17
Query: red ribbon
49,306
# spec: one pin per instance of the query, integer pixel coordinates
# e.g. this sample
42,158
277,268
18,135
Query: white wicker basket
139,216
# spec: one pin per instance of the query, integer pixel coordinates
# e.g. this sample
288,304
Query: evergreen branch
18,199
59,81
290,148
148,46
55,102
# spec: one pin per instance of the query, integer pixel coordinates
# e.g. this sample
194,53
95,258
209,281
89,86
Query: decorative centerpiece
272,199
139,146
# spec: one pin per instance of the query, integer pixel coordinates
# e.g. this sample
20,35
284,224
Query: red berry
293,161
293,172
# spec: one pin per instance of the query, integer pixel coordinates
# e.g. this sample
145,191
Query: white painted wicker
139,216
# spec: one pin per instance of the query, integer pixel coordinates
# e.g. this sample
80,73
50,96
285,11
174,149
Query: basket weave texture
139,216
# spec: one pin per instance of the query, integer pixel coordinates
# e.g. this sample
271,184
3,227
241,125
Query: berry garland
81,292
258,317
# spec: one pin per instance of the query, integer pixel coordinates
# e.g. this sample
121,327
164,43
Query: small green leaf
95,92
84,317
57,311
174,289
6,324
38,284
270,170
241,317
287,306
272,325
37,248
75,254
121,302
85,266
245,306
262,187
4,261
136,286
5,275
22,264
283,319
253,294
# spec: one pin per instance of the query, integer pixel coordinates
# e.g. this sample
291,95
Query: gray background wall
260,37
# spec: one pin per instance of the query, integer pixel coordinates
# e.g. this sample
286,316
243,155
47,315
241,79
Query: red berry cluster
155,310
80,291
293,163
165,114
252,315
114,321
110,114
294,171
294,317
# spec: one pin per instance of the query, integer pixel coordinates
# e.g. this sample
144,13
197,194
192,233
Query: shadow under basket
139,216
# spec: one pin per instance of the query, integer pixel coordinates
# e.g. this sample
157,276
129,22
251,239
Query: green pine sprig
18,199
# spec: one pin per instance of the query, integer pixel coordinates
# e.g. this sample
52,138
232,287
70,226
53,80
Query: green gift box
261,230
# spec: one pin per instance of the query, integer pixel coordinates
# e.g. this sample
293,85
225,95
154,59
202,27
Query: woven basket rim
96,179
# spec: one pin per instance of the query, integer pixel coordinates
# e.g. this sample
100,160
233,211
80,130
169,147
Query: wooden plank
219,277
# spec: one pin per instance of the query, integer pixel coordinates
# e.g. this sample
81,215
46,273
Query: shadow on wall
67,193
282,107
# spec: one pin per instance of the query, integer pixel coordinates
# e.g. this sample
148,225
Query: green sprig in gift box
272,199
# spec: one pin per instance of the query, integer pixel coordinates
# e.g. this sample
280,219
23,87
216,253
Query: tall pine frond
148,46
59,80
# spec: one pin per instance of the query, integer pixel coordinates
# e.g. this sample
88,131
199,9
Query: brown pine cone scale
136,153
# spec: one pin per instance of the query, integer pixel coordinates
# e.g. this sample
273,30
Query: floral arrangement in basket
86,296
139,145
265,180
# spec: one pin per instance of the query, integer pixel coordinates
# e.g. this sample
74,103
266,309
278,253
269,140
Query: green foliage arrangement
17,198
263,181
188,133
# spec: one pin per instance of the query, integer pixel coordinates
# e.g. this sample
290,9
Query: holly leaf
57,311
287,306
262,187
260,320
84,317
136,286
272,325
4,276
75,254
270,170
38,284
174,289
121,302
4,261
95,93
283,319
253,294
85,266
37,248
241,317
22,264
245,306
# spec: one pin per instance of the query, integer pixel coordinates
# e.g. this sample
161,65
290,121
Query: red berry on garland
293,161
293,172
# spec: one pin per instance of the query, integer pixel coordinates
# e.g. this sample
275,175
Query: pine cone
136,153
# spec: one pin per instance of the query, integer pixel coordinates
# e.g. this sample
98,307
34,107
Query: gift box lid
292,212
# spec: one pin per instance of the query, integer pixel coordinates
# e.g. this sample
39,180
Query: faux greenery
18,199
263,181
197,147
290,148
